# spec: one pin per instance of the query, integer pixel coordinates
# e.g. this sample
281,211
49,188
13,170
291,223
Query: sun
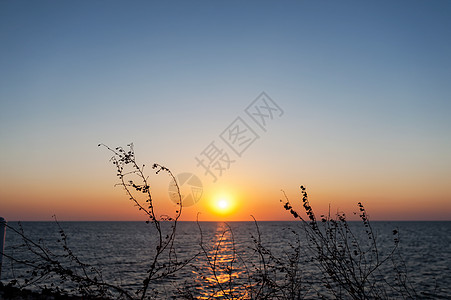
222,205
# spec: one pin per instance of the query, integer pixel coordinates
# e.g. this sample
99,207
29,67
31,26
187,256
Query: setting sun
222,205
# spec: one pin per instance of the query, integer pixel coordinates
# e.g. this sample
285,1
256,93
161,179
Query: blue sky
364,86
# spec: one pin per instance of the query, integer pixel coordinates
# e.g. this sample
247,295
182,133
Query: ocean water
221,257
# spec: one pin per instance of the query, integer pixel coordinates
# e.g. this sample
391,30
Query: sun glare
222,205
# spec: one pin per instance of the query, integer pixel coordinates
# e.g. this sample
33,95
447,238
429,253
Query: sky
356,107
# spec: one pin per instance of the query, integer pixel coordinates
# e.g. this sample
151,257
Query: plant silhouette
344,261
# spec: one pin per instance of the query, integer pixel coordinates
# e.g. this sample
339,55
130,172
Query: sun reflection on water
221,273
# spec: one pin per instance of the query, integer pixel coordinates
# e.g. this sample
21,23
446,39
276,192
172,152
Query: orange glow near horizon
234,198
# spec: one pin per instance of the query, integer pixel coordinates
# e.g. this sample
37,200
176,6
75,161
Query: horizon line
224,221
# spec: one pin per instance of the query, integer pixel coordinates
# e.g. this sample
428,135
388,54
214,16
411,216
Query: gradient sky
364,86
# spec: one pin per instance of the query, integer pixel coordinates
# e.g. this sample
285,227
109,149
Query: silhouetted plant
59,271
348,261
352,265
278,275
134,181
47,266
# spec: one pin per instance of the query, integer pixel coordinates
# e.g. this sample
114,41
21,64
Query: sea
218,260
